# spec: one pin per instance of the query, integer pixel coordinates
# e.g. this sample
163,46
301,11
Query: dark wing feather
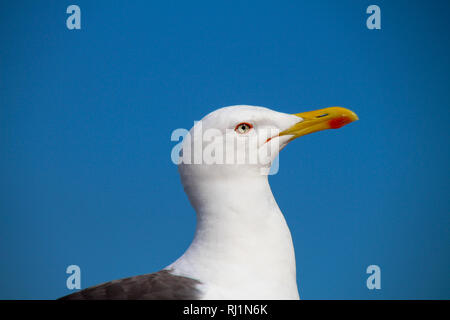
160,285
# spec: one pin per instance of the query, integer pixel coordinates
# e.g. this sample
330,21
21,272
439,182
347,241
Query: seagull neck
241,234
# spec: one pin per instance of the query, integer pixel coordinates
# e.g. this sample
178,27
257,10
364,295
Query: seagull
242,247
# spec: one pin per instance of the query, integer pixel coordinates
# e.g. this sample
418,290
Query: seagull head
243,140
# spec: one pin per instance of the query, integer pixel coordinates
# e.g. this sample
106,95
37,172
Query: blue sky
86,118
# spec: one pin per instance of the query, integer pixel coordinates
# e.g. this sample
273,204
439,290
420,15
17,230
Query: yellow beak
318,120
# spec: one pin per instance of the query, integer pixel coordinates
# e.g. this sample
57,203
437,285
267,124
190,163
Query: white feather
242,248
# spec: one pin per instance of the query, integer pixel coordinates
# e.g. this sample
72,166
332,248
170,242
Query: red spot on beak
339,122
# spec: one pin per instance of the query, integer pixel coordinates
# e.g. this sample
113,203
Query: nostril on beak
322,115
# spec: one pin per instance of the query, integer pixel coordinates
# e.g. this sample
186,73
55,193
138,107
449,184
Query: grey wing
160,285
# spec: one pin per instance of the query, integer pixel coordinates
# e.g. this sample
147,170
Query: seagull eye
243,127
